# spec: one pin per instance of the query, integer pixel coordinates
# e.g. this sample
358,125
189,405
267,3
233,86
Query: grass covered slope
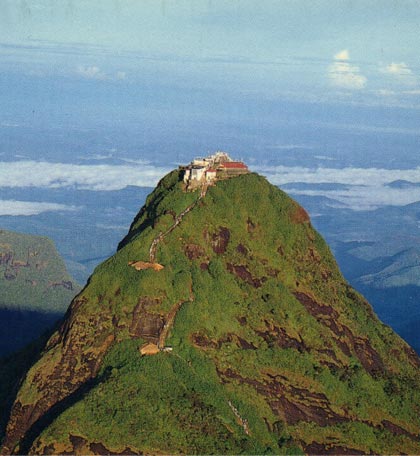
268,350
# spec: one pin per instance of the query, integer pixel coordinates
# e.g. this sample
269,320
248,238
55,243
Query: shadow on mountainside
19,328
13,368
53,412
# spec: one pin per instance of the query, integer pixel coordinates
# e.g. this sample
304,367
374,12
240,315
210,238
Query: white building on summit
211,168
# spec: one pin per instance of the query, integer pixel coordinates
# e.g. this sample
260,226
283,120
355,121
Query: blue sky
301,88
348,51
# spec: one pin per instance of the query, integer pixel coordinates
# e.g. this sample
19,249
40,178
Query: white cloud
91,72
137,162
12,207
89,177
98,157
411,92
342,55
289,146
324,157
351,176
402,72
366,198
94,72
385,92
397,68
367,186
363,127
342,74
9,124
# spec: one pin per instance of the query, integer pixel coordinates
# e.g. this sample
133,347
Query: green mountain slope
403,270
35,288
32,274
260,344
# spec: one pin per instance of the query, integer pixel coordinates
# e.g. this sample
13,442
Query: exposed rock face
219,240
259,345
147,324
243,273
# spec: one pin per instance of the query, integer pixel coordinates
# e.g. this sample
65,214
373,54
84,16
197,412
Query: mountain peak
202,172
221,325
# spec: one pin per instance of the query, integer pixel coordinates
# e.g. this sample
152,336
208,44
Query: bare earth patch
140,265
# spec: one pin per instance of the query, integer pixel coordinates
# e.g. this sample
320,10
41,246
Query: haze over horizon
100,95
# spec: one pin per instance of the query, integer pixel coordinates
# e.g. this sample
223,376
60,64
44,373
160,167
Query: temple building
214,167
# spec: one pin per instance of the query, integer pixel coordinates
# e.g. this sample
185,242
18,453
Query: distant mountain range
86,236
403,184
35,288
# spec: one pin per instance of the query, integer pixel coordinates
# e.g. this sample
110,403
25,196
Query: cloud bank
345,75
12,207
94,72
367,187
398,68
351,176
366,198
401,72
85,177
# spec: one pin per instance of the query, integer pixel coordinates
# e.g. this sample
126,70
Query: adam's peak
212,168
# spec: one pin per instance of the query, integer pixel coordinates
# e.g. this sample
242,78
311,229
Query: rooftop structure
212,168
149,349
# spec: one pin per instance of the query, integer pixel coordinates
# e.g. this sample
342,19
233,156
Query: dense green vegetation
272,351
33,276
35,288
173,405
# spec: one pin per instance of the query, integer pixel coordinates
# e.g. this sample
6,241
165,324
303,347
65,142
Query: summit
214,167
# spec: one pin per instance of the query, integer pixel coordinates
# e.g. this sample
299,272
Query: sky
322,48
102,94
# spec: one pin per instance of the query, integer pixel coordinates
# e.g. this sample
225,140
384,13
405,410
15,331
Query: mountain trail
170,320
242,421
177,221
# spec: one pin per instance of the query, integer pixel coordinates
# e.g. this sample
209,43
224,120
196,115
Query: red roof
234,165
